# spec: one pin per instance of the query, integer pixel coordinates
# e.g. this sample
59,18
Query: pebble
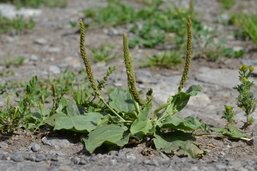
54,69
3,145
75,160
34,58
40,41
130,157
35,147
113,161
17,157
65,168
53,49
40,157
4,156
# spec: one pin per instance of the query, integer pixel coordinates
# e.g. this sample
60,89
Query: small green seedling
15,62
103,53
227,4
16,25
164,60
249,25
38,3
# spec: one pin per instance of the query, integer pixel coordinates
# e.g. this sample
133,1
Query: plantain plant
125,115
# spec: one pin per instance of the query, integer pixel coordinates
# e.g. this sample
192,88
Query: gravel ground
53,46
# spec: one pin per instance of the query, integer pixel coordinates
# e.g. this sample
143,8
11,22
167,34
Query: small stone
54,69
83,161
35,147
34,58
4,156
17,157
75,160
40,157
65,168
130,157
40,41
113,162
148,162
3,145
53,49
30,157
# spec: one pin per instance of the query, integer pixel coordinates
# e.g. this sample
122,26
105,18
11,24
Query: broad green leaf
178,123
180,100
232,131
61,105
80,123
194,90
52,119
142,125
178,143
113,134
72,108
121,100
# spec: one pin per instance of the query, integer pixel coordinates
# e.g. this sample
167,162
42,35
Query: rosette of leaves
124,115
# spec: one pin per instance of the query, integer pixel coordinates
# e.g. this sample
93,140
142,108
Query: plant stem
188,55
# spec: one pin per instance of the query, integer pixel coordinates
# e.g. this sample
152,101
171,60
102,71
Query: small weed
148,31
227,4
6,73
249,25
17,25
164,60
15,62
38,3
246,102
116,13
103,53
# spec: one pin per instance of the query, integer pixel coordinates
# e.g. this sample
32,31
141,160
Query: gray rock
65,168
11,11
222,77
113,161
40,41
75,160
53,49
4,156
3,145
35,147
34,58
40,157
56,142
54,69
17,157
130,157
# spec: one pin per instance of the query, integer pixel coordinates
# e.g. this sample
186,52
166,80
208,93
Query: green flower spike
188,55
